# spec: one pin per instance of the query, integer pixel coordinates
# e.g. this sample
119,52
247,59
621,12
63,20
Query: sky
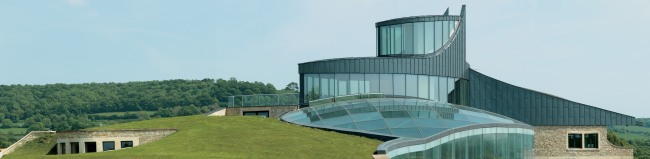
593,52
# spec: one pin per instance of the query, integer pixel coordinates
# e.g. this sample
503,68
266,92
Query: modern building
421,96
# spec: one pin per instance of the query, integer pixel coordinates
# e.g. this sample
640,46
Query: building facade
422,59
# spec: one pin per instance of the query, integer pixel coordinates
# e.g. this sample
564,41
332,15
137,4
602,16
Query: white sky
593,52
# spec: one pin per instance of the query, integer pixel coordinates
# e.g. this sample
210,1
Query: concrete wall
138,137
274,111
29,137
218,112
551,142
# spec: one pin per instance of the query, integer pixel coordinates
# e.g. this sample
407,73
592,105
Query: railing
263,100
346,98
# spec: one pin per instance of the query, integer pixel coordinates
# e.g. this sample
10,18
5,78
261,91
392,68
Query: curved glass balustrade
415,38
478,143
445,89
397,117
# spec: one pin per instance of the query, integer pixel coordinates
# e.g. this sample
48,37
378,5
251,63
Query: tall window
575,141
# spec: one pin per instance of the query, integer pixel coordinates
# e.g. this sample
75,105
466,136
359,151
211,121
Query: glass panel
325,85
474,146
443,89
397,33
437,35
446,150
386,86
383,43
423,86
316,93
450,89
460,147
412,85
591,140
433,88
408,132
108,145
125,144
372,125
407,32
502,145
575,140
366,116
445,31
372,83
342,84
309,84
418,38
356,84
489,141
428,38
399,84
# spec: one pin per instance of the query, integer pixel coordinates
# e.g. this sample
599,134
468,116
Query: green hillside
224,137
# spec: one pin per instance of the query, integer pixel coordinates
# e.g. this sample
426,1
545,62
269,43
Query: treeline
66,106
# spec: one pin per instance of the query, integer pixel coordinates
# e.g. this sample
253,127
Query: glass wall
481,143
415,38
445,89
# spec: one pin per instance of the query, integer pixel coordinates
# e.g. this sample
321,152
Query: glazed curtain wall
482,143
536,108
415,38
445,89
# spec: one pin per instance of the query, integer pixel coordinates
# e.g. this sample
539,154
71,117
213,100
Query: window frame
583,140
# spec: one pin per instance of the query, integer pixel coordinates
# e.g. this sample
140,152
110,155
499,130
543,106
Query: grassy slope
227,137
633,132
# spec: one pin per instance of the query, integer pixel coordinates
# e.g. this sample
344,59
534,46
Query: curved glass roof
397,117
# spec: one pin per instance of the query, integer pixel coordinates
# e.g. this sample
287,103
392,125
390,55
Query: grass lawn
226,137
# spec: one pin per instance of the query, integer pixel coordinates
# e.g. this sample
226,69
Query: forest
58,107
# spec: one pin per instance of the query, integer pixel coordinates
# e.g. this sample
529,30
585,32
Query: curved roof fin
446,12
462,10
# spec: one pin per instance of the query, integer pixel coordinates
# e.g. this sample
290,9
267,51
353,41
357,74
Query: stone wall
551,142
29,137
144,135
274,111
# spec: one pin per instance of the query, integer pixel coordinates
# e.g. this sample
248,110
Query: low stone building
74,142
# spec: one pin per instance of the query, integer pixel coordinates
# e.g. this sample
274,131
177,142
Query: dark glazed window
383,42
125,144
575,141
591,140
108,145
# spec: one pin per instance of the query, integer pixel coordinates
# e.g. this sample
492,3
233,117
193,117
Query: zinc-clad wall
536,108
449,63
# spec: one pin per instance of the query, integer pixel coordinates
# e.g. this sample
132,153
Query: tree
293,86
6,123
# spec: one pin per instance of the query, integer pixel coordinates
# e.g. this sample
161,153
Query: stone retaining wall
144,135
274,111
551,142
